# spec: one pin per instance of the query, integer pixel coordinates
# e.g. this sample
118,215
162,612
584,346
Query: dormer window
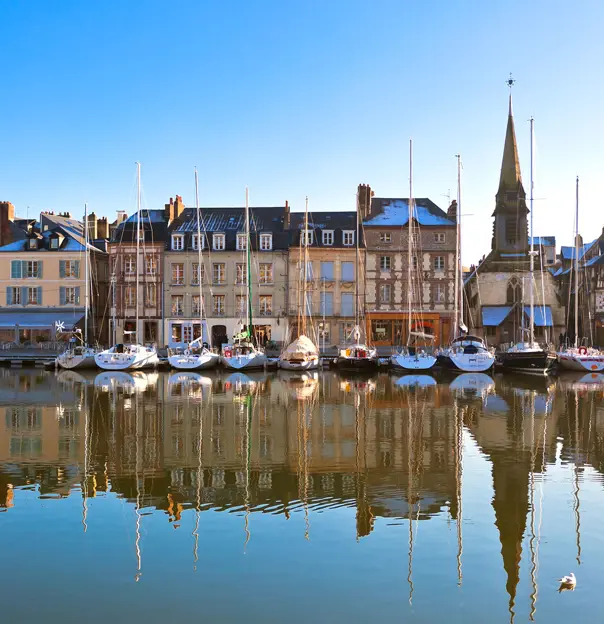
327,237
241,242
54,243
385,238
218,242
348,238
33,243
178,242
266,242
196,241
141,235
306,237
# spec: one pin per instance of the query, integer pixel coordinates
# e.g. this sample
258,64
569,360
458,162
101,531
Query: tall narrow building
497,290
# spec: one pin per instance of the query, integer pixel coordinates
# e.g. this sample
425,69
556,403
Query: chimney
92,227
102,228
7,216
179,206
365,195
121,216
286,216
169,210
452,211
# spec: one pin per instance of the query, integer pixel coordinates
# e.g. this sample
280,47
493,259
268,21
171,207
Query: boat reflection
415,381
128,383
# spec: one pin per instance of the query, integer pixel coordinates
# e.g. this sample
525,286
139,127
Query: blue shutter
77,269
15,269
9,295
77,295
39,275
62,296
39,295
24,268
24,295
61,269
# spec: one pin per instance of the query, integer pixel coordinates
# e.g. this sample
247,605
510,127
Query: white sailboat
412,358
301,354
81,356
136,356
198,355
579,358
243,353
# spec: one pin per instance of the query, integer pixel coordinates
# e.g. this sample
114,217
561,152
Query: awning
493,316
39,320
540,319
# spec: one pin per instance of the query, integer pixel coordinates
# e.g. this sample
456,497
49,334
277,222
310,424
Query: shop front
392,329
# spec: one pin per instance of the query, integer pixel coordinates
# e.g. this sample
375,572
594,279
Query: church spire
510,177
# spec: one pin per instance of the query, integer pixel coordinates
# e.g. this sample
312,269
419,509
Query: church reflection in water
387,447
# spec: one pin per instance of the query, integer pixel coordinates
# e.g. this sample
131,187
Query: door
219,336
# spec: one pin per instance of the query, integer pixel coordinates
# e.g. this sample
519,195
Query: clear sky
296,98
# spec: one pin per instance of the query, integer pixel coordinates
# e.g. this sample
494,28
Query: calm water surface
274,497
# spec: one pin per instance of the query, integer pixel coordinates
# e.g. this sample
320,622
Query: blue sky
300,98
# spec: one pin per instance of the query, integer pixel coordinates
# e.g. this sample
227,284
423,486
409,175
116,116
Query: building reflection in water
391,447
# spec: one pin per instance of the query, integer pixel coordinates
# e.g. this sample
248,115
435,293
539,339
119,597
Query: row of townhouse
193,264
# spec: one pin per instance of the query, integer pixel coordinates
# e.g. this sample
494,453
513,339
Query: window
69,269
33,268
266,242
347,304
348,237
385,237
346,330
241,242
218,307
323,330
309,270
129,265
141,234
439,293
326,270
197,277
240,273
414,262
439,237
150,264
514,291
54,243
196,305
129,296
348,271
308,302
439,263
218,242
219,273
178,274
511,231
306,237
385,293
265,271
385,263
491,331
178,242
241,305
326,304
150,295
34,296
176,332
72,295
178,305
327,237
33,243
187,334
266,305
381,331
13,296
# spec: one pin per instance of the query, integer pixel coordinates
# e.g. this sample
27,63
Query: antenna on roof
510,82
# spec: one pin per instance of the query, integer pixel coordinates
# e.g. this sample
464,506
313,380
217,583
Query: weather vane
510,81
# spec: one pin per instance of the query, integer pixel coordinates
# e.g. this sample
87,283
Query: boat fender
187,352
228,353
583,351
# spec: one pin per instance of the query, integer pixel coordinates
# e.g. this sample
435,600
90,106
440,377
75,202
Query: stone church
497,291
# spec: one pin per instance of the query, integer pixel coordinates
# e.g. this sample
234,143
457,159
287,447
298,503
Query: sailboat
243,353
198,355
130,356
412,358
80,356
529,357
357,356
466,352
302,353
579,358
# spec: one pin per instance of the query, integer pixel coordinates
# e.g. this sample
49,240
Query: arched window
514,291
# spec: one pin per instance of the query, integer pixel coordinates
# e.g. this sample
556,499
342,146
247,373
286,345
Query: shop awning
543,315
39,320
493,316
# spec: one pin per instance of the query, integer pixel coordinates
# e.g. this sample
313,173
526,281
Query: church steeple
510,177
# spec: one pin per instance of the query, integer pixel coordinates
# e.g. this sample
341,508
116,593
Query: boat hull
532,362
357,364
204,361
244,362
76,362
299,365
126,361
412,362
581,363
470,362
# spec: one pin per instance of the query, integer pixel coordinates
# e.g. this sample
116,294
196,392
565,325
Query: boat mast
199,258
409,241
577,264
356,281
138,225
86,277
304,295
458,314
248,263
532,251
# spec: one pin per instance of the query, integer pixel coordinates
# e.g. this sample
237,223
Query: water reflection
392,449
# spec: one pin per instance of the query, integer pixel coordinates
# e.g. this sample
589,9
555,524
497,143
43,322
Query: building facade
331,276
387,288
207,277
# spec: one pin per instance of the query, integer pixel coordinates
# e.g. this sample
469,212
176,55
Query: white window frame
265,273
218,310
29,269
218,242
198,272
348,238
307,235
241,275
439,293
141,234
195,243
327,237
385,288
54,243
196,305
32,296
178,242
385,238
33,243
439,263
130,301
70,269
70,295
388,262
150,302
240,305
440,237
216,268
129,264
16,295
179,279
178,306
266,242
241,242
265,305
150,264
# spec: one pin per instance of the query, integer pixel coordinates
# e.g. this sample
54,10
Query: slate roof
568,252
72,241
319,221
153,223
395,212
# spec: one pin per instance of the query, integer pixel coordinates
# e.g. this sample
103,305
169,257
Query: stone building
219,281
387,288
496,292
330,275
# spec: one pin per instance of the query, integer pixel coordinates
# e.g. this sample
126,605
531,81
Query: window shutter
77,269
40,294
62,294
9,295
61,269
24,295
15,269
77,295
23,268
39,269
